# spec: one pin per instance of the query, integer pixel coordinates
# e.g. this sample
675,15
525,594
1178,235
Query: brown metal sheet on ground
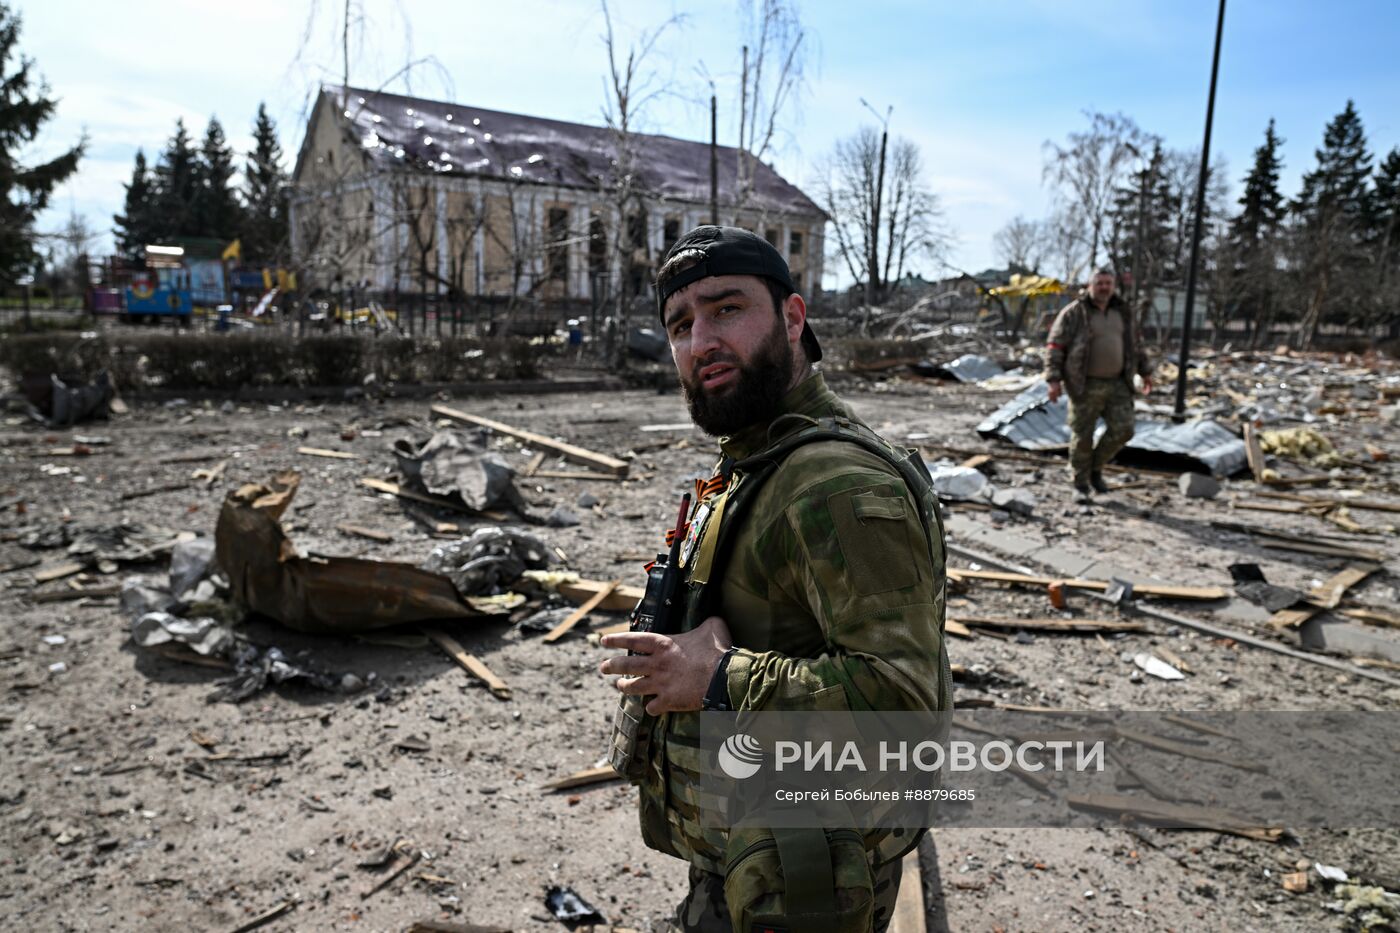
330,595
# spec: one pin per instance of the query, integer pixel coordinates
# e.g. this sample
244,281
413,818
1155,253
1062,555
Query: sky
980,87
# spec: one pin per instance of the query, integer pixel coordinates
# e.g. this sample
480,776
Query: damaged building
400,195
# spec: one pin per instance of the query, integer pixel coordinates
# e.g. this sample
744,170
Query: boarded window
557,236
795,243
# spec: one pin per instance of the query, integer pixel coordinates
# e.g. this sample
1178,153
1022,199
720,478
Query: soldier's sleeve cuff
738,675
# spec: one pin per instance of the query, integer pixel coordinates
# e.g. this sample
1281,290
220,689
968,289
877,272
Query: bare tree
1022,243
910,223
771,77
631,86
1087,171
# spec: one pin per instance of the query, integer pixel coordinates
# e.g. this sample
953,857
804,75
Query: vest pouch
629,748
798,881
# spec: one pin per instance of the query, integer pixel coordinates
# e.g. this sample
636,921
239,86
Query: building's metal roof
1032,422
436,136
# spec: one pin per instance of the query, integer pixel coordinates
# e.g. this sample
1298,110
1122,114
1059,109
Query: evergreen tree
25,106
177,185
264,195
1143,208
1333,215
1387,229
136,225
1252,246
216,210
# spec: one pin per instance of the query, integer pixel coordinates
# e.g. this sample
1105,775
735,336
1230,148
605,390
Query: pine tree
1253,242
1143,207
1333,214
25,106
136,225
216,212
1387,230
177,184
264,195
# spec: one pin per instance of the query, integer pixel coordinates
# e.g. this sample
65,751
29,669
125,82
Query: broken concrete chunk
1020,501
561,518
1198,486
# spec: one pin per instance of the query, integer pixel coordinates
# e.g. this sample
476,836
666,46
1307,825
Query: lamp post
1179,411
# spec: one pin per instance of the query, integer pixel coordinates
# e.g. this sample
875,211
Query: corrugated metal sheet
1032,422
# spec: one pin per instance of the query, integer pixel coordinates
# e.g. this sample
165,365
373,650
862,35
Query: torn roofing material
394,131
1032,422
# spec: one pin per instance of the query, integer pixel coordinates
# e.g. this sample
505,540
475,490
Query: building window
795,243
670,234
597,247
637,230
557,237
771,235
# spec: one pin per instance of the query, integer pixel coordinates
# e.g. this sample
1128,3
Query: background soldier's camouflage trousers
704,910
1112,400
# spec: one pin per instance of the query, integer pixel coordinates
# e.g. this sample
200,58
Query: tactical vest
669,776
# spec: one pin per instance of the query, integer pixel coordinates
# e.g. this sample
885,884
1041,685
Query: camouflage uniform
828,589
1067,362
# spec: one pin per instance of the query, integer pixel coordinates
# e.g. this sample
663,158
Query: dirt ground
129,802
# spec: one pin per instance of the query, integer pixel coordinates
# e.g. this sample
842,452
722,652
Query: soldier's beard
754,398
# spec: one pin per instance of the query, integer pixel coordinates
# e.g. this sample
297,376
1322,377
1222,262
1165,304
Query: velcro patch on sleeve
873,530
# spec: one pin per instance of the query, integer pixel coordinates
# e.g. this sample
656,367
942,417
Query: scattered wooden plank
535,463
328,454
1329,593
1321,548
153,490
267,916
57,572
620,599
193,457
569,451
82,592
469,662
976,461
909,915
447,926
593,602
392,876
1174,816
373,534
1187,751
211,475
1376,662
1139,589
954,627
1195,726
1374,616
1253,452
22,564
584,778
1051,625
1328,501
583,475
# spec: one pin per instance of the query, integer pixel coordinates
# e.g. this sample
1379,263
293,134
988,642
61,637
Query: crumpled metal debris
204,635
61,403
319,594
255,667
460,464
190,562
970,367
1251,585
489,560
959,482
566,905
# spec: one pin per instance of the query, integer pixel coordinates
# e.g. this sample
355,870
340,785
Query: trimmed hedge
231,361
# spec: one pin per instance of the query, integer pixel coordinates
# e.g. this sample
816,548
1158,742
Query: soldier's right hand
1052,391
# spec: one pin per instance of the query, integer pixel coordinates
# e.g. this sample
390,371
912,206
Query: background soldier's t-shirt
1105,343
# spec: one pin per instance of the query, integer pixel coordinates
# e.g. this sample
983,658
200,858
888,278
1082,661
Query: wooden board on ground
569,451
469,662
1139,589
374,534
1373,616
328,454
584,778
976,461
1052,625
1329,593
594,601
57,572
1253,452
1174,816
578,474
909,914
621,599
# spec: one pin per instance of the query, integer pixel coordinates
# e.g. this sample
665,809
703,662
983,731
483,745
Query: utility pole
1179,411
873,260
714,157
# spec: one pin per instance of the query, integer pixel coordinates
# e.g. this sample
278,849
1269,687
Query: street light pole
1179,411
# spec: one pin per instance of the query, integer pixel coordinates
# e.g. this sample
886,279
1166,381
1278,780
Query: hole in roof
517,171
409,111
347,114
371,141
535,158
486,136
417,124
377,118
427,140
360,99
449,118
476,121
471,140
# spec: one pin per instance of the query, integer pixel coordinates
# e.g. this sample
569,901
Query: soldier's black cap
732,251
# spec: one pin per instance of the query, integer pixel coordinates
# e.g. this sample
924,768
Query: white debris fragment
1157,667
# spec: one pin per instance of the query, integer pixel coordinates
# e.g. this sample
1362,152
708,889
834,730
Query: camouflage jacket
830,573
1067,353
